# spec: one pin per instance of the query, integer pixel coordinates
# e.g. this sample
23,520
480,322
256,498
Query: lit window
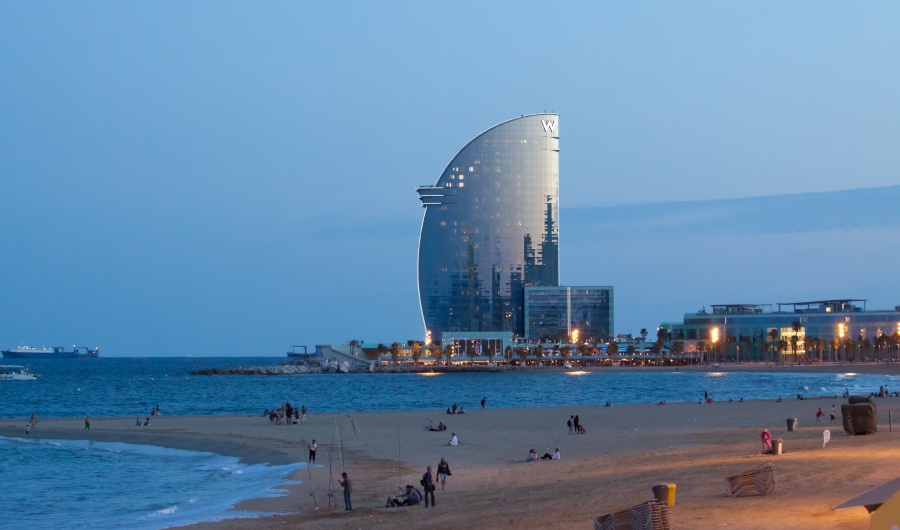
461,184
471,169
449,184
443,223
461,177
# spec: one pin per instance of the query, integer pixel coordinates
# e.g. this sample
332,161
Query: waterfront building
569,314
491,229
821,330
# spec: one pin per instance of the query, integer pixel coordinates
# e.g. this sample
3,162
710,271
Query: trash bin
792,424
777,443
665,493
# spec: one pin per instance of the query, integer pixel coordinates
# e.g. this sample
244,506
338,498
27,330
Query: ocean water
99,485
80,484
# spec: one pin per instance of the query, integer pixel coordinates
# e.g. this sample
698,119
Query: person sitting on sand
147,422
441,426
462,410
453,440
453,409
137,422
554,456
766,438
411,497
532,455
581,430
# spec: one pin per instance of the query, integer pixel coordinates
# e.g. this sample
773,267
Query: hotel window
461,184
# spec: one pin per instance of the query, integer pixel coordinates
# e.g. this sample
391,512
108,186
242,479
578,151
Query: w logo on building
549,125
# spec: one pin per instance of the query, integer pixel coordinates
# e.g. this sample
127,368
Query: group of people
820,414
533,457
575,426
137,423
412,496
454,410
154,411
287,414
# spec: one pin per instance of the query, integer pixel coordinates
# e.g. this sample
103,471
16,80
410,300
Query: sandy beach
627,449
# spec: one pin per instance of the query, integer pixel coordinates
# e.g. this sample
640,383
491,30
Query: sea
65,484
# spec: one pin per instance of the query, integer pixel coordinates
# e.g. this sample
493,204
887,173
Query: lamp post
715,339
842,330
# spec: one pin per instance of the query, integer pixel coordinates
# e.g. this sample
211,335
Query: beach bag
422,482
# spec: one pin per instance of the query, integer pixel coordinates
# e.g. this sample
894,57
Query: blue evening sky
221,178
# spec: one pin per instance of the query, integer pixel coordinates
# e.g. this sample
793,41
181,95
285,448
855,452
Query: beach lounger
651,515
761,479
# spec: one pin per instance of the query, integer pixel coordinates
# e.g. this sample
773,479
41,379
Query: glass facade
553,313
491,228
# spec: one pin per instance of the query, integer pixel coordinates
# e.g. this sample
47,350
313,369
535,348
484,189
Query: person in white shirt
453,440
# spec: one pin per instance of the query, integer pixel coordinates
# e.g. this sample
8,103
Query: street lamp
842,330
715,339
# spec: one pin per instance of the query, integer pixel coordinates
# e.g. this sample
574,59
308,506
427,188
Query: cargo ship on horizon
54,352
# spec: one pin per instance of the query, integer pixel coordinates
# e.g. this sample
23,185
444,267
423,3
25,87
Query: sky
225,178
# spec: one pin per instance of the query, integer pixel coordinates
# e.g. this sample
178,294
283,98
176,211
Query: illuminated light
577,372
430,374
716,374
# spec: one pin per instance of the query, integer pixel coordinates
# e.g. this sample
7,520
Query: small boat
55,352
10,372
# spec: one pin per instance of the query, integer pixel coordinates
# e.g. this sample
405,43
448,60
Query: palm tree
523,355
564,352
471,354
437,353
508,352
382,350
395,353
643,339
448,353
583,349
782,345
613,348
764,347
793,348
678,348
353,344
539,354
628,351
702,346
416,352
490,354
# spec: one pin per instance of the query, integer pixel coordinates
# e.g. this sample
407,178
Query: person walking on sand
819,415
348,489
482,402
428,484
313,447
832,415
766,438
87,422
443,471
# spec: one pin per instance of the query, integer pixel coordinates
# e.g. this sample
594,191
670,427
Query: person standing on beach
819,415
443,470
313,447
348,489
428,484
482,402
766,438
571,425
832,415
705,395
87,422
577,424
303,412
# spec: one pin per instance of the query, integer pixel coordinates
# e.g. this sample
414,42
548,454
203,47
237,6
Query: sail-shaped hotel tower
491,228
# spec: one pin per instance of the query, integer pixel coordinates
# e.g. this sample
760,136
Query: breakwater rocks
297,369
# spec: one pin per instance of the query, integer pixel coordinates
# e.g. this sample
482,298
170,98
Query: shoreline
627,449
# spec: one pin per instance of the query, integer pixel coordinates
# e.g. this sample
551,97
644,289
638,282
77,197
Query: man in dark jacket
428,484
